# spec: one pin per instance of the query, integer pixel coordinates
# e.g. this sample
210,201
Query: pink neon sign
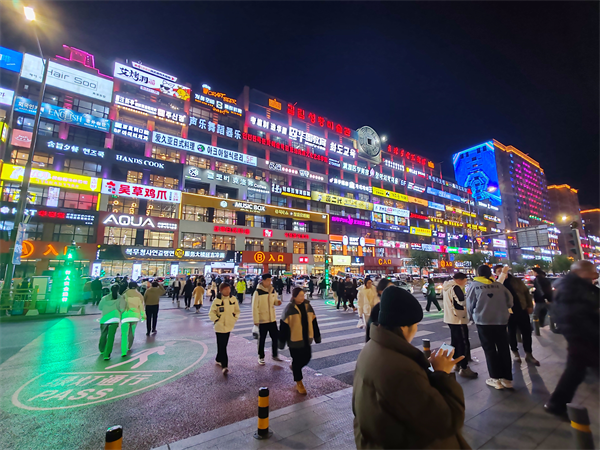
351,221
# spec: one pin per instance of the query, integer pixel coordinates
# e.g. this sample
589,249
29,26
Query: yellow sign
341,260
290,213
11,172
343,201
452,223
420,231
273,103
418,201
389,194
259,257
477,227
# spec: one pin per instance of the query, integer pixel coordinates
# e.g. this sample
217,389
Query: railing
16,300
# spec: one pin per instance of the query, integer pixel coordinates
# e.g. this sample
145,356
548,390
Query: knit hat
399,308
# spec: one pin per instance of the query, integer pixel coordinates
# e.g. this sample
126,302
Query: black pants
188,300
459,339
175,294
519,321
351,302
222,341
579,358
494,340
263,329
430,300
300,358
541,310
288,288
212,295
240,298
151,317
96,297
341,299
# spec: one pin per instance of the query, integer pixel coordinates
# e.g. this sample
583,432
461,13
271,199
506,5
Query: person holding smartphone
224,313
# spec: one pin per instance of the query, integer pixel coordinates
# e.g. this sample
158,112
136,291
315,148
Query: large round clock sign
369,144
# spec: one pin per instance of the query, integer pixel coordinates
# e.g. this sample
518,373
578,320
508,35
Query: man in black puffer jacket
576,311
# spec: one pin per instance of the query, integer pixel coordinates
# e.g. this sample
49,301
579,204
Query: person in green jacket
431,298
133,312
111,306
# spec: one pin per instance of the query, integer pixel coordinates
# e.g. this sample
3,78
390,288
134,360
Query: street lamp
18,229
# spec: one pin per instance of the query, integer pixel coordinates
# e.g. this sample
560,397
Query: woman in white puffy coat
132,313
367,299
224,313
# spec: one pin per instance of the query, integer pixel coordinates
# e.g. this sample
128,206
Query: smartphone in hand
447,349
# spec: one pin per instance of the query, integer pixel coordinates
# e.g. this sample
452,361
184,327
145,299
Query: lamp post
29,16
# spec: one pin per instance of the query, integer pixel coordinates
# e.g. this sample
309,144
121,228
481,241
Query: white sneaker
225,371
277,358
506,383
218,363
261,361
494,382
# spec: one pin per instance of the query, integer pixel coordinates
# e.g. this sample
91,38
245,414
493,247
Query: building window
83,234
225,217
336,249
298,183
85,136
201,113
300,247
278,246
162,239
165,182
78,166
197,161
353,250
166,154
255,221
45,128
255,173
317,206
278,200
254,245
42,160
162,209
123,205
278,223
193,240
257,197
223,242
318,227
134,177
298,203
317,187
226,168
93,109
299,226
119,236
279,179
75,200
318,248
195,213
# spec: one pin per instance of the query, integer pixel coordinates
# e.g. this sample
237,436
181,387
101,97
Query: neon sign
232,230
287,148
218,101
131,190
349,220
290,191
409,156
150,82
216,128
296,236
131,221
268,126
158,113
342,149
420,231
317,120
51,178
307,138
131,131
350,184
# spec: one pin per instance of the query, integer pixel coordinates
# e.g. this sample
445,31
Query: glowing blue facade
476,169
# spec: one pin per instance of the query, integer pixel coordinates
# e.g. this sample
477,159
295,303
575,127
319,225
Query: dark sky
434,77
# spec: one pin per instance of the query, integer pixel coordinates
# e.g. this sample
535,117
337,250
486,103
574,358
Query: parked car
403,285
302,281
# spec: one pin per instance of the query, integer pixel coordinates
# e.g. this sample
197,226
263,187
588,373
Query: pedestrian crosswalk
341,340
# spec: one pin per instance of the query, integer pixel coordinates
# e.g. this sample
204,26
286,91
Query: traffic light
574,242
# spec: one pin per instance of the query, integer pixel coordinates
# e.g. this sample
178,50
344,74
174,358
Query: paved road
59,393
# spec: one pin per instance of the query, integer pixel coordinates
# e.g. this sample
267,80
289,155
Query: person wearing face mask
298,327
397,401
264,301
575,308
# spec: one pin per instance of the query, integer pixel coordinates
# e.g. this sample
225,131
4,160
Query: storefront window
318,248
166,154
223,242
353,250
197,161
40,159
278,223
225,217
123,205
162,209
257,197
166,182
369,251
255,221
34,231
277,246
119,236
193,240
78,166
40,196
336,249
254,245
75,200
299,226
68,233
224,167
195,213
300,247
162,239
134,177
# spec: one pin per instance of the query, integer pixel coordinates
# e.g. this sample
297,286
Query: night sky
434,77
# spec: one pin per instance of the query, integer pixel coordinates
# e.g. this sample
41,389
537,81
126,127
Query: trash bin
17,309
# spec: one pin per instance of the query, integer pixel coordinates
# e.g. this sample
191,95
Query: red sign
297,236
267,258
418,216
287,148
317,120
319,240
21,138
232,230
303,259
267,233
407,155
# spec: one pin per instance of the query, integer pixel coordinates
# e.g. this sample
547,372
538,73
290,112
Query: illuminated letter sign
10,59
131,131
155,111
151,82
273,103
140,191
6,96
233,230
218,101
317,120
390,194
51,178
420,231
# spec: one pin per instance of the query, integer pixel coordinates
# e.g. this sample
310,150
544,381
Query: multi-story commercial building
564,206
153,177
515,184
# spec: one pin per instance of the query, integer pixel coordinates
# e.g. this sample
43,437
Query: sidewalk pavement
494,419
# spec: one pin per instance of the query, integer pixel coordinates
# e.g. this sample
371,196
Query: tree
476,259
544,265
561,264
518,268
422,259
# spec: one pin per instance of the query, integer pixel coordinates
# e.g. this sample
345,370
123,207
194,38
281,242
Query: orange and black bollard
536,325
580,424
114,438
427,347
263,431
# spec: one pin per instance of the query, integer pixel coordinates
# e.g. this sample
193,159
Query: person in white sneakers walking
455,316
264,301
132,313
488,305
366,300
224,313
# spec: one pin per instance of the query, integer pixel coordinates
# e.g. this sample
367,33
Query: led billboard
475,168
